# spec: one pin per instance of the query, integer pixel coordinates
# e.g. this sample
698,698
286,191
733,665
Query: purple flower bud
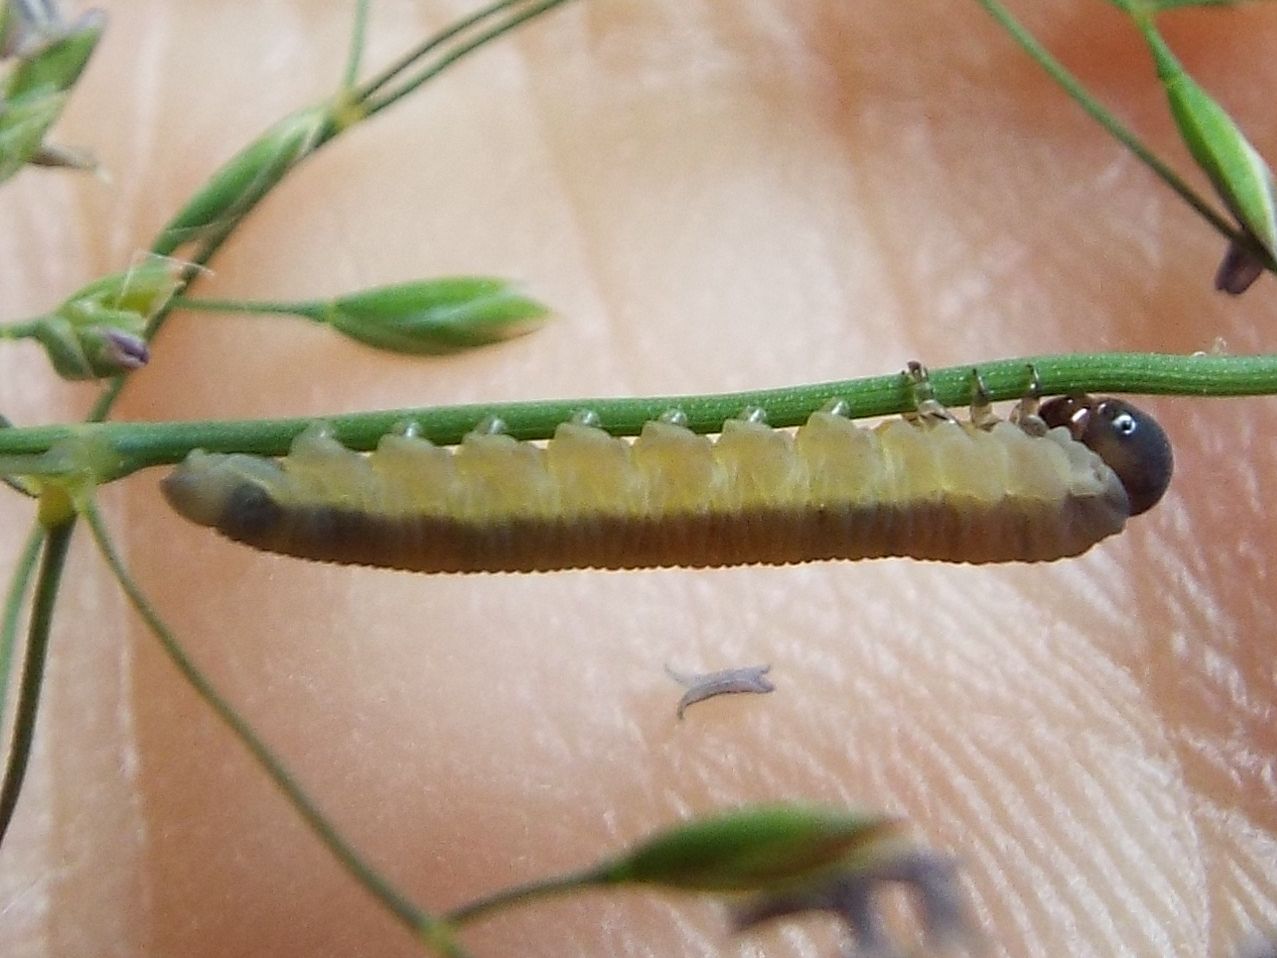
1240,267
124,351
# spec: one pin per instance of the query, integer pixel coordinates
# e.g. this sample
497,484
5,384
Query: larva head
1129,440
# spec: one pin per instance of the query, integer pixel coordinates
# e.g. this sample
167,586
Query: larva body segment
832,490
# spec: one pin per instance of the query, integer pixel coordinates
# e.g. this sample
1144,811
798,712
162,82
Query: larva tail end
201,488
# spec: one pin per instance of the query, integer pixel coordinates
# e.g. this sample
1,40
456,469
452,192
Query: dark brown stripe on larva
942,531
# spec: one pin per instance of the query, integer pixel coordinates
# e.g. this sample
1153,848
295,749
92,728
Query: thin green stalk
397,69
420,922
203,304
1106,119
23,329
358,34
376,105
13,612
46,593
522,895
136,446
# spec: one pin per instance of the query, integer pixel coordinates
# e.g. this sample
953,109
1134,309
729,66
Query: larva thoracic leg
982,414
926,406
931,489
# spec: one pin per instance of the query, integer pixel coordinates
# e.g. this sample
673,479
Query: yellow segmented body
830,490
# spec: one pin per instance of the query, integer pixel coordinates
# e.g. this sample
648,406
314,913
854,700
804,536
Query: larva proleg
929,489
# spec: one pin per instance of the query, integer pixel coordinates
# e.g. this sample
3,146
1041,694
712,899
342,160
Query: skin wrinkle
1036,774
405,703
1257,882
985,801
1219,875
1125,907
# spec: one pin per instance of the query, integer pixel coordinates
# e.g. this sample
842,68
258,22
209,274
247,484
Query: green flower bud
751,849
115,349
434,317
246,178
34,92
89,353
1238,173
100,330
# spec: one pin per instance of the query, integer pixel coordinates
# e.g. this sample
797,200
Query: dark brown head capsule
1129,440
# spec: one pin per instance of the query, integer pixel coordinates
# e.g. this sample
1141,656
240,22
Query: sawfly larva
928,487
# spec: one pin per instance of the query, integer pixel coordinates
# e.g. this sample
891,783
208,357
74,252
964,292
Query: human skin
712,197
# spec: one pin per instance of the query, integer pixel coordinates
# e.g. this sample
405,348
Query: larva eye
1129,440
1124,424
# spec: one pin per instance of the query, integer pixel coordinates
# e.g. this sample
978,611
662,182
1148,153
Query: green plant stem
12,615
304,309
37,650
1106,119
406,62
135,446
358,34
395,72
24,329
418,921
377,104
482,39
524,894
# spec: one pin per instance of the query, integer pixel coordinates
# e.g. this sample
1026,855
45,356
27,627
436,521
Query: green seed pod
434,317
751,849
1236,170
246,178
